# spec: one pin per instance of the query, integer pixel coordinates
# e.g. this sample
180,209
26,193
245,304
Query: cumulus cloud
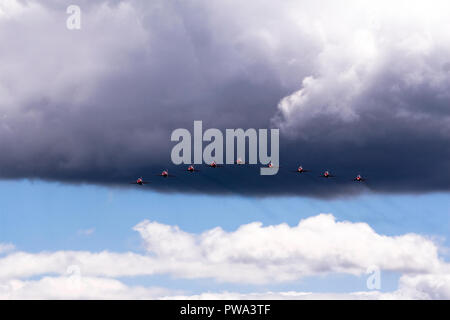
6,247
367,71
253,254
420,287
360,89
380,84
428,286
69,287
257,254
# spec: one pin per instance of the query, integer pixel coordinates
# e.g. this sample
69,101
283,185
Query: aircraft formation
191,169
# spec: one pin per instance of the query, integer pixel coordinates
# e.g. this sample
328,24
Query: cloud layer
66,287
252,254
361,89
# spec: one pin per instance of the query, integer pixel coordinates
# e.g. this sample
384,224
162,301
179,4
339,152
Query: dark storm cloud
361,90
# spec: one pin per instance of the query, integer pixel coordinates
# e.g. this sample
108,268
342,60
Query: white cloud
253,253
109,264
425,286
289,295
86,232
10,8
68,287
257,254
6,247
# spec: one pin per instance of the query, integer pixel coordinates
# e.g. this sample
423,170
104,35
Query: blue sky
47,216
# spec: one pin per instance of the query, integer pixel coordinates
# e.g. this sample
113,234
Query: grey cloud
364,93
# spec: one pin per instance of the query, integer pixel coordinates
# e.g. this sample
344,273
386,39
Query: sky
47,218
355,89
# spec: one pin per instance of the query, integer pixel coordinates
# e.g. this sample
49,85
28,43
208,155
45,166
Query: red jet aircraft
300,170
165,174
192,169
359,178
139,181
327,174
214,165
270,165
